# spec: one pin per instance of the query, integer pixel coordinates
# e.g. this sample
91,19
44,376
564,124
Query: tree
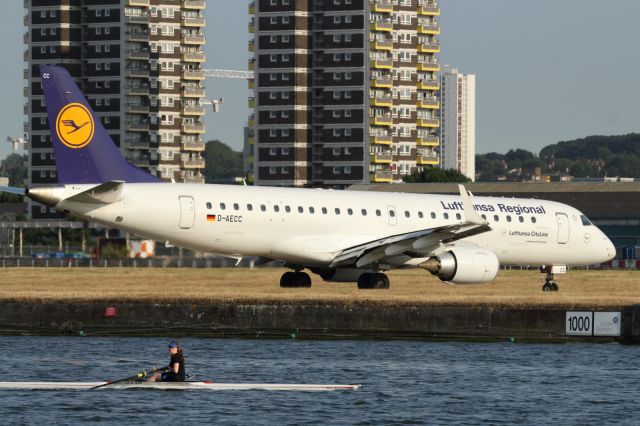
436,175
15,168
221,162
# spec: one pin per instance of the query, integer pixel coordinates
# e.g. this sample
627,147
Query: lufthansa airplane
342,236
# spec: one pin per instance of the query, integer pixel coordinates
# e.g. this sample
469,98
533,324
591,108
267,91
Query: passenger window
276,208
496,218
349,212
420,215
533,219
263,207
324,210
364,212
407,214
508,218
392,213
458,216
378,213
433,215
312,210
236,206
300,209
484,216
446,215
222,206
287,209
208,206
521,219
249,207
337,210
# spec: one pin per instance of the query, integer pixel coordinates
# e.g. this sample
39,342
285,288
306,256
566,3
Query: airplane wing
418,243
12,190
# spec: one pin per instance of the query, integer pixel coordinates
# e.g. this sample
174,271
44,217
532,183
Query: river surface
403,382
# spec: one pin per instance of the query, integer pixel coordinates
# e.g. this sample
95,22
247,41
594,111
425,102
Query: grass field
588,289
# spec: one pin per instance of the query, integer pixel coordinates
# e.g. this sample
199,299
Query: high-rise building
458,113
139,62
346,91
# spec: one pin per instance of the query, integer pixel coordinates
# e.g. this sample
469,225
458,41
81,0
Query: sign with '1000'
587,323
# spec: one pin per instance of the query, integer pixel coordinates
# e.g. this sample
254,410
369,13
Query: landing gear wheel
547,286
364,281
295,280
555,286
549,283
303,279
287,279
379,281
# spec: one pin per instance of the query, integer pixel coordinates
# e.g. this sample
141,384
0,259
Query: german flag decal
211,217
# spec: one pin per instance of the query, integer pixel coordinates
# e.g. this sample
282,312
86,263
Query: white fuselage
308,226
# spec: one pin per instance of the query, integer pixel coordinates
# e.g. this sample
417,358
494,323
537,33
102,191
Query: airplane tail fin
84,151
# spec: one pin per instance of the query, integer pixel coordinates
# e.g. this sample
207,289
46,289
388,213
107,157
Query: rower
175,371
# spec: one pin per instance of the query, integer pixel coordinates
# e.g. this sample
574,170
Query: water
403,382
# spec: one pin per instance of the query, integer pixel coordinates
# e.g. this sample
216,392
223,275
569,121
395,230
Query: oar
136,376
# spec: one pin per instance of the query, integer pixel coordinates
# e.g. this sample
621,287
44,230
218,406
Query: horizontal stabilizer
12,190
106,193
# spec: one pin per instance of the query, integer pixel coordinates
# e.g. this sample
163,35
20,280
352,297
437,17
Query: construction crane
219,73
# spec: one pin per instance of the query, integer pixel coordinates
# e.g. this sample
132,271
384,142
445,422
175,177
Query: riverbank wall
317,321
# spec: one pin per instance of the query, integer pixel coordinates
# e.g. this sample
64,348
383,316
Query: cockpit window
585,220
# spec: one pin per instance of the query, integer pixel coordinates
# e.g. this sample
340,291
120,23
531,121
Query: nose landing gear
549,282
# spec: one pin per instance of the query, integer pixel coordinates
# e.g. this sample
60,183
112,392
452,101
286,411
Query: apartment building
458,113
346,91
139,62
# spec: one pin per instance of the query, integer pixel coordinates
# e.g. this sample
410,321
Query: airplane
342,236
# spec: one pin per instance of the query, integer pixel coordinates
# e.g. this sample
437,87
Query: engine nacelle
340,275
464,265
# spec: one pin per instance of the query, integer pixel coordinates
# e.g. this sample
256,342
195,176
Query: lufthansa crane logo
75,126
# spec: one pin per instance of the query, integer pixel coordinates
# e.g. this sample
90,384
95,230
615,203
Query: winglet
470,214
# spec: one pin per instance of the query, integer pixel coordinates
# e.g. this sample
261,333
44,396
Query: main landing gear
377,280
295,279
549,282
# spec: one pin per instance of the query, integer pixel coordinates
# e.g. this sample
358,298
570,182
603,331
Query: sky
546,71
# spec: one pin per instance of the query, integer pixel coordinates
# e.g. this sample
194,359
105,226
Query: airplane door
391,212
563,228
187,212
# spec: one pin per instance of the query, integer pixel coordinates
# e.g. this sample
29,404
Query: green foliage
436,175
15,167
221,162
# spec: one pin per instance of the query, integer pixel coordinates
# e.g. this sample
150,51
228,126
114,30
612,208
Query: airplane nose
609,248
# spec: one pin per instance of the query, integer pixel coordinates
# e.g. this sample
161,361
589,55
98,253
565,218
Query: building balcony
141,162
193,39
193,110
424,160
252,103
384,83
193,57
193,179
381,140
193,75
381,26
381,158
140,144
137,109
381,101
193,4
429,10
252,28
428,66
137,73
381,121
140,36
252,121
428,85
252,8
251,140
192,146
251,84
428,103
193,92
140,55
193,22
430,141
137,19
193,163
137,90
382,176
139,126
428,122
252,46
142,3
193,128
433,29
382,6
429,48
252,64
381,45
380,64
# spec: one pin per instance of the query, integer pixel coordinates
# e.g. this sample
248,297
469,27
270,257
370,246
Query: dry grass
511,288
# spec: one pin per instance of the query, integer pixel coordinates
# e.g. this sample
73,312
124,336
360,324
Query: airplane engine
464,265
340,275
